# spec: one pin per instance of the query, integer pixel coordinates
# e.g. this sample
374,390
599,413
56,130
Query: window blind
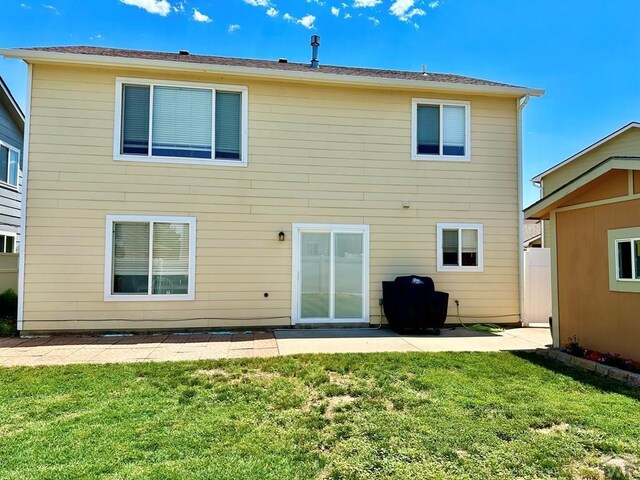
469,254
228,125
428,129
131,258
170,266
4,162
453,130
182,122
450,241
469,241
450,247
135,120
14,158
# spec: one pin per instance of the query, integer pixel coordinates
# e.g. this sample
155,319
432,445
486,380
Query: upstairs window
460,247
190,123
628,259
440,130
9,164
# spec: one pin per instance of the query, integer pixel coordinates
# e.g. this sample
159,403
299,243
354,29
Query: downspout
521,104
23,199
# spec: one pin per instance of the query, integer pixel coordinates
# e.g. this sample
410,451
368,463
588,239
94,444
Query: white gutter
36,56
521,104
23,199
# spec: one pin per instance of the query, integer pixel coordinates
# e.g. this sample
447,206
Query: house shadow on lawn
588,378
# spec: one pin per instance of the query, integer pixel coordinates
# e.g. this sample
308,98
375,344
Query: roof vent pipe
315,43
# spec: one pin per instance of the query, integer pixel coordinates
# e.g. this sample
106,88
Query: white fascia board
34,56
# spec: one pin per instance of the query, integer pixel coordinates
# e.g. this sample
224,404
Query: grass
356,416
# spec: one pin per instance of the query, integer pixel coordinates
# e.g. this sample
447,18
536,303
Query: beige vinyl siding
317,154
625,144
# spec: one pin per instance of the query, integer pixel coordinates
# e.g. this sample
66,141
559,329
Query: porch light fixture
281,236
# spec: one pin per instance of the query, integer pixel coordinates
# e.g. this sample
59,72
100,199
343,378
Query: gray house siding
10,198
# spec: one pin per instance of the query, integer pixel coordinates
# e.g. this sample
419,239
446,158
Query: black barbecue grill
412,305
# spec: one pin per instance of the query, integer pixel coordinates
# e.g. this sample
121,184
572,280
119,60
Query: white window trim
459,226
244,126
633,264
15,244
414,130
7,183
149,297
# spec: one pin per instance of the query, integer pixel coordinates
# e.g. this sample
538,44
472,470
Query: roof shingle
271,64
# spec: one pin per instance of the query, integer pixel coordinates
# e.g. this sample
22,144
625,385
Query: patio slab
383,340
176,347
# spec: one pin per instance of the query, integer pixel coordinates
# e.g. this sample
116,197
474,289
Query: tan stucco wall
601,319
317,154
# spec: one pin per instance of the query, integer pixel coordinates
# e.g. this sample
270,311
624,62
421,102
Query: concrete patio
217,345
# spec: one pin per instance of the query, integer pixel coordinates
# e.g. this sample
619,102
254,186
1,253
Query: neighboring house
11,146
173,191
532,234
592,203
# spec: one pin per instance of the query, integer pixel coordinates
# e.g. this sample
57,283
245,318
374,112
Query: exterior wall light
281,236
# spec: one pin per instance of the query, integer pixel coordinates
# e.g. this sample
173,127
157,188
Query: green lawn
413,415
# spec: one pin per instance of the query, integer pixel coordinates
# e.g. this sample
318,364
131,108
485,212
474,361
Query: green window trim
623,277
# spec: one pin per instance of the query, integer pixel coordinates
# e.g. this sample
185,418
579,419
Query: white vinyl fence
537,285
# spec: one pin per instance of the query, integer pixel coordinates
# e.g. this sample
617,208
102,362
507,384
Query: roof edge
611,163
4,88
594,145
35,56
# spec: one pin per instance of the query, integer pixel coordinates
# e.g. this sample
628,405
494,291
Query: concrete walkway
174,347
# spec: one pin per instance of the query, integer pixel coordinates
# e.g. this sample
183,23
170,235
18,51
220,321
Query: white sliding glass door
330,273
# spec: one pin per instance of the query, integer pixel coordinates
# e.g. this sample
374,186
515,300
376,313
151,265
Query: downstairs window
150,258
459,247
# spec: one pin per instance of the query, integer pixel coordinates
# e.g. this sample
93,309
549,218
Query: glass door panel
315,275
348,274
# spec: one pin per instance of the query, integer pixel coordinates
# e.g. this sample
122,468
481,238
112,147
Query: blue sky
584,53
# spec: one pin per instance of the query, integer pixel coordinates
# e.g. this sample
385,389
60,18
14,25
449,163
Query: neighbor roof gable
7,99
586,150
541,209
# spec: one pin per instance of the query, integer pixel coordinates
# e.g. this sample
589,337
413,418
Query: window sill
181,160
442,268
442,158
149,298
10,186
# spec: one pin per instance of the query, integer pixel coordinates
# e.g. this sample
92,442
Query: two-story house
175,191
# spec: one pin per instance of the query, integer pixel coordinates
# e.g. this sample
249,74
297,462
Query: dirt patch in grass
561,427
336,402
609,467
237,377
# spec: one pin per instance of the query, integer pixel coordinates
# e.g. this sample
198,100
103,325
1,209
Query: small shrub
8,305
574,348
8,328
8,313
